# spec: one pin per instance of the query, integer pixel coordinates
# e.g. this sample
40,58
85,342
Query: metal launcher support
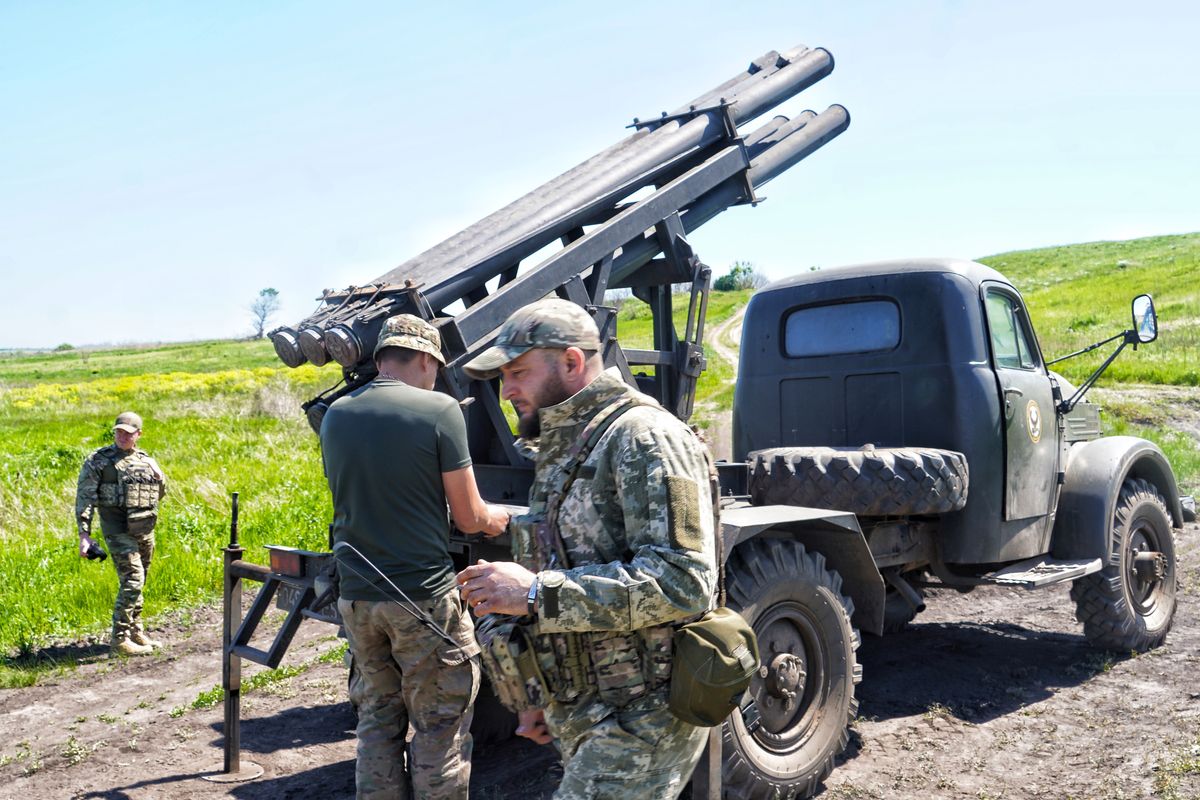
288,583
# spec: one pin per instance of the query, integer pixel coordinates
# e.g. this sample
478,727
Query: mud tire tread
870,482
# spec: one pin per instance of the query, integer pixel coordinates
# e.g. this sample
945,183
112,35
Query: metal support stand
706,779
231,667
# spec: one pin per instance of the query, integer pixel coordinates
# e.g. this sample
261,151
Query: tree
741,275
266,304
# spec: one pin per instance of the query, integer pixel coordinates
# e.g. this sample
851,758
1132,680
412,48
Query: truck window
842,328
1010,345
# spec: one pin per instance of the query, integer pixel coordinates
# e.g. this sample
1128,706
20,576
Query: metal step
1042,571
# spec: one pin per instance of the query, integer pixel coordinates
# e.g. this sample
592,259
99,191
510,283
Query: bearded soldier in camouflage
124,485
634,554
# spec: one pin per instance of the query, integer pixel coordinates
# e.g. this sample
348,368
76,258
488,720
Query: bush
741,275
64,347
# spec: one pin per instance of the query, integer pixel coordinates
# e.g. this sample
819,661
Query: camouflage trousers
131,554
410,676
640,752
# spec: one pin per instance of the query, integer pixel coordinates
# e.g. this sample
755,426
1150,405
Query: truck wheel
1129,605
804,689
871,482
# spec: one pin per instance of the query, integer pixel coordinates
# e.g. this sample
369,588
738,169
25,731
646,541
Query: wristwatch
531,598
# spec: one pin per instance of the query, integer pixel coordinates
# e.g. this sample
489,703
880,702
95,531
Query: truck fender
1094,475
836,535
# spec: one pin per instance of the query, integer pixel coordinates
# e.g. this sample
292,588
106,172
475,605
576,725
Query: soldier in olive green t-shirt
395,455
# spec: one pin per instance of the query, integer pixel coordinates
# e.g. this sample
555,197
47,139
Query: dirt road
993,694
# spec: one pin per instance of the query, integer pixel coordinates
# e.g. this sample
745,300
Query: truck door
1026,406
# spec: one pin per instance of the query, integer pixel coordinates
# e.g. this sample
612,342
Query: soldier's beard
551,393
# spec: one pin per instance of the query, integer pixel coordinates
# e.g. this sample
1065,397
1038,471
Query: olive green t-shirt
385,447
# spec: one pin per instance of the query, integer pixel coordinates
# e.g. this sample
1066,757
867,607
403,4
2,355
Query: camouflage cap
552,323
128,421
405,330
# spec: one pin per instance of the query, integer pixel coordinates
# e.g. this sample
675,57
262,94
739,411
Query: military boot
127,647
140,637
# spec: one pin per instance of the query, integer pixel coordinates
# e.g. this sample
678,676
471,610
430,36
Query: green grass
1080,294
224,417
214,431
634,329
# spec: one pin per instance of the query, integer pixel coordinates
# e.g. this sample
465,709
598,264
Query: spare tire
869,481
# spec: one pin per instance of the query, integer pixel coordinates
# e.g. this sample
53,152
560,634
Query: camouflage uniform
638,531
124,487
410,675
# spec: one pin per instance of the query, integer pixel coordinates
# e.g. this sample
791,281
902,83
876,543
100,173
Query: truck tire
1127,606
870,482
805,687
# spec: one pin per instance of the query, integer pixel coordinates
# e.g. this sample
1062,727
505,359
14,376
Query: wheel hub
784,679
1149,566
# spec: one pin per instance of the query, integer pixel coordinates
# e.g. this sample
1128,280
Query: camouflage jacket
105,481
637,523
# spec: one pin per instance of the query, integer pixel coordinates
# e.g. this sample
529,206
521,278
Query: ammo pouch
508,660
715,658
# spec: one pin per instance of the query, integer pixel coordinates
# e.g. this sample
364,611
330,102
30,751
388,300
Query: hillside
223,417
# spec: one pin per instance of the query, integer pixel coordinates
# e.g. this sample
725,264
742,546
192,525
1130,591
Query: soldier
125,485
633,554
395,452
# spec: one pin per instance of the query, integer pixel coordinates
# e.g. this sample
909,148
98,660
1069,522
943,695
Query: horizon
167,163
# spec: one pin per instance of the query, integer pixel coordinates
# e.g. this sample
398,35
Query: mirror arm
1066,406
1092,347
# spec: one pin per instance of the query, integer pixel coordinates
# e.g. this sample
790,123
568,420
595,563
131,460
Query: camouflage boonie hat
128,421
405,330
552,323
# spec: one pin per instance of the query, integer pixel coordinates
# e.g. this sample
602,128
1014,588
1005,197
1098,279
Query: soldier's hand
532,725
85,542
498,517
495,587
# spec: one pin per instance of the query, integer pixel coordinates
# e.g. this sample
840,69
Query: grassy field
1080,294
224,416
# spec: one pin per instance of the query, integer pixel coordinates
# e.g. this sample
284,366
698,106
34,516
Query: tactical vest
528,669
130,483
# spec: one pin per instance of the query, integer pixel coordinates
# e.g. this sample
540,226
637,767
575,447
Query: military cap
405,330
551,323
128,421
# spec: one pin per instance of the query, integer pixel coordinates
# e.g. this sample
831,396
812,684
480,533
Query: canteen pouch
714,660
511,664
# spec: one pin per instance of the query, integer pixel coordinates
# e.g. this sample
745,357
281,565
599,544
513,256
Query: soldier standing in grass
124,485
395,453
634,553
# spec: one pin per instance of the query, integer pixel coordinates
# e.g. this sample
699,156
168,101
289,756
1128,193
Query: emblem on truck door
1033,421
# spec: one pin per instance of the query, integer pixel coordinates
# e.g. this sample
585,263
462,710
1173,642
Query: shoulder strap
576,456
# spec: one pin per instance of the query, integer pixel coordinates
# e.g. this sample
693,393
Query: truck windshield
858,327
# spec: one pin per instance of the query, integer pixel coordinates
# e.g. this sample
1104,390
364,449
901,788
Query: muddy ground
992,694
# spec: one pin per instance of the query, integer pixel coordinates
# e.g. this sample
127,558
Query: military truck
914,394
830,361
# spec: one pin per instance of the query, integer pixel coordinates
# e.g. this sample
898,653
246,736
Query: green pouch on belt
714,660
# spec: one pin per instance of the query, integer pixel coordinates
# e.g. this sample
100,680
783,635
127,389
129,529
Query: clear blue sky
160,163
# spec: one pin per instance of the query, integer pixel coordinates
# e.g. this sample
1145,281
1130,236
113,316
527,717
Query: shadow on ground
973,671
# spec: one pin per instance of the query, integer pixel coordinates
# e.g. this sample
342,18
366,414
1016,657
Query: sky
161,163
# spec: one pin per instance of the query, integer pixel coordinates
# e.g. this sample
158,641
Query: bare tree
266,304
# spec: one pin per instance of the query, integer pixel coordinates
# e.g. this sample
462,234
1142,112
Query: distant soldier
395,454
616,549
125,485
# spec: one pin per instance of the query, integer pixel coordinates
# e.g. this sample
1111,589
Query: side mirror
1145,321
